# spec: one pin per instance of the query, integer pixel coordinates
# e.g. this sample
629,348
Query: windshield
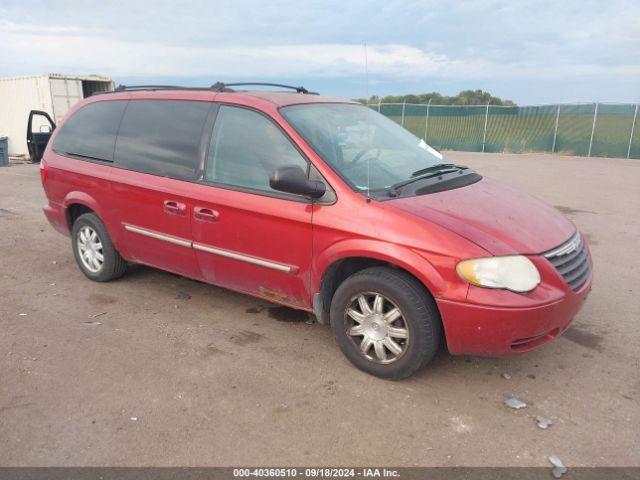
367,148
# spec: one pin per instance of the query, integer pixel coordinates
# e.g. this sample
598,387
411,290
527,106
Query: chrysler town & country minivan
320,204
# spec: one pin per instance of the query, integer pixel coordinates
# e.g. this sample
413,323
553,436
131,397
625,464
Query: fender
394,254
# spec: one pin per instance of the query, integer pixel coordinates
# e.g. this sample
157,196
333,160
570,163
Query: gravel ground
183,373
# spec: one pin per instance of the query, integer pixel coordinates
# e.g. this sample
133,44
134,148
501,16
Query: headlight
515,272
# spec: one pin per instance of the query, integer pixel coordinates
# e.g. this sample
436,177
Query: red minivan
320,204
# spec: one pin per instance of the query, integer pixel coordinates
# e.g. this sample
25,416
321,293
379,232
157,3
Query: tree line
465,97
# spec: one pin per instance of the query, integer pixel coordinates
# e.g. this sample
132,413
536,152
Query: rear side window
162,137
91,131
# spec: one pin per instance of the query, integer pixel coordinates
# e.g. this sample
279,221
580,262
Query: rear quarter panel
70,181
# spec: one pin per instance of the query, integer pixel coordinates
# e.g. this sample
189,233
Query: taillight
43,171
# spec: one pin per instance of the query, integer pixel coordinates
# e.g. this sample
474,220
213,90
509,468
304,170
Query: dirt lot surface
183,373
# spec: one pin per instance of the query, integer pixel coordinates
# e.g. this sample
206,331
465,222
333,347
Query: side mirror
292,179
45,128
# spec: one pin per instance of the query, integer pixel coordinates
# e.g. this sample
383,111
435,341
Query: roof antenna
366,73
366,82
368,179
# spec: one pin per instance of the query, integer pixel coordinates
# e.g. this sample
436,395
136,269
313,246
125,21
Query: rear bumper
473,329
56,214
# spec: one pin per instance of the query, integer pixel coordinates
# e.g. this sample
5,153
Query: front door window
246,148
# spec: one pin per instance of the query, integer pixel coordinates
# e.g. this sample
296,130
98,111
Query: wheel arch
78,203
73,211
338,264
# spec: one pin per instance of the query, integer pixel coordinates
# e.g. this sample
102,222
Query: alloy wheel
377,327
90,249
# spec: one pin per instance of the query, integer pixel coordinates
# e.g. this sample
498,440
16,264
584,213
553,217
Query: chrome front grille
571,259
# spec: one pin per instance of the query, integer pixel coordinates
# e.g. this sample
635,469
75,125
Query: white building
53,93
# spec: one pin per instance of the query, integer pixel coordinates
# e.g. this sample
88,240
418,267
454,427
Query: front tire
94,252
385,322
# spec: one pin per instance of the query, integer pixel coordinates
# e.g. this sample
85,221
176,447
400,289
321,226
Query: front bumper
475,329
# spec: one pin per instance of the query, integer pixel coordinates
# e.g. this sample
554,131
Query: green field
524,129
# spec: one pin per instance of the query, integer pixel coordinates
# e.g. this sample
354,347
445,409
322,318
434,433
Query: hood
500,219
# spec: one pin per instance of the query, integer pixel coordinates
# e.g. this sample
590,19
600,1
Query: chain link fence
590,130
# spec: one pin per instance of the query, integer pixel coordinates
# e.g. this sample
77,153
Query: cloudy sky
531,52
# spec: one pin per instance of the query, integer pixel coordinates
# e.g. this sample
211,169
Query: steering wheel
360,156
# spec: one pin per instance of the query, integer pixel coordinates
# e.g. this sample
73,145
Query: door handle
205,214
174,208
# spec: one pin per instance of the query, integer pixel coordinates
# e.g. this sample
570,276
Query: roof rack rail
224,87
133,88
148,88
216,87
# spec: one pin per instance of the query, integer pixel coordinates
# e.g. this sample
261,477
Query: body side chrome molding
213,250
159,236
245,258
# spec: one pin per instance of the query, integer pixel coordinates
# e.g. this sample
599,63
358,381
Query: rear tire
94,252
385,322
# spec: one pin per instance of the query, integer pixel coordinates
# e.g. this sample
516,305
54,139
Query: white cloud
72,50
57,48
574,50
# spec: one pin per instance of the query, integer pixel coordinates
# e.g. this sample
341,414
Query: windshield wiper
428,172
432,168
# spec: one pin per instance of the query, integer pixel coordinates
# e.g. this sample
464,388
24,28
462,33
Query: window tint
162,137
91,131
246,148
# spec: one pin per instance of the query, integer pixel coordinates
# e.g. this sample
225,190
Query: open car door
38,133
